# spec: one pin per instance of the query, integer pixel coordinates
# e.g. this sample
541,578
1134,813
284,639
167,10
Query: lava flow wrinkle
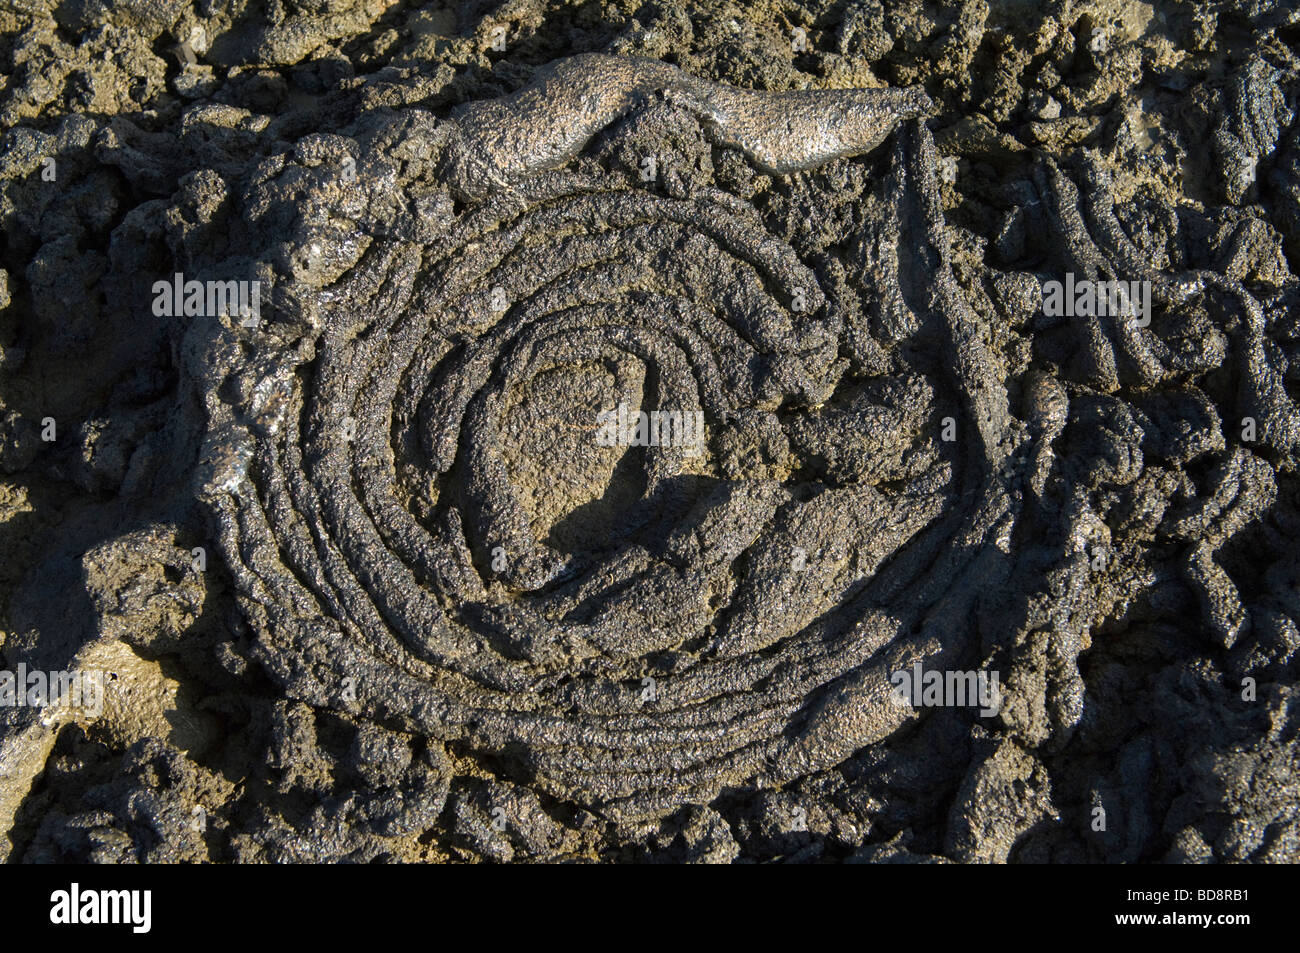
654,644
549,121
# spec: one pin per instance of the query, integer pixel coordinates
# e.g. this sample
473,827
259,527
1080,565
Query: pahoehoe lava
396,568
367,574
550,120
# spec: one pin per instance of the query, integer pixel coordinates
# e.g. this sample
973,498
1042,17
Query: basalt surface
366,583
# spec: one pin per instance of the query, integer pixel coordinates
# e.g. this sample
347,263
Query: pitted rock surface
391,597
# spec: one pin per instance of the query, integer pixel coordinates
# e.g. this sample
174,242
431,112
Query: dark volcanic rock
960,524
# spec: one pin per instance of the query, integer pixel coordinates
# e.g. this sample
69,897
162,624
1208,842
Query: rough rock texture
369,587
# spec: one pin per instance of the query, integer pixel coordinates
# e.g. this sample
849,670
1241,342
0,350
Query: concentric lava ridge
424,530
